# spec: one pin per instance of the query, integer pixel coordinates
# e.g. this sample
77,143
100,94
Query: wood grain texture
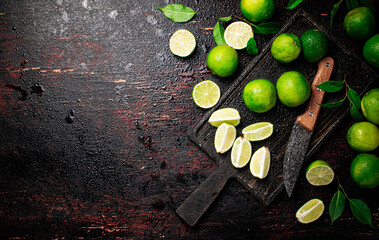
122,167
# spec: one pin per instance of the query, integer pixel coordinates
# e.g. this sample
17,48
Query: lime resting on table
224,138
241,152
370,104
314,45
206,94
258,131
222,61
310,211
371,51
237,35
360,23
230,116
319,173
293,89
260,163
259,95
286,47
182,43
364,170
363,136
257,11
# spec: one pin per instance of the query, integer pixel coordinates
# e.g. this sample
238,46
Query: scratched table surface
94,115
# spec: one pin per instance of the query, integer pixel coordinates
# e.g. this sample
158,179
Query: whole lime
259,95
286,47
222,60
315,45
293,89
371,51
370,105
364,170
360,23
363,136
257,11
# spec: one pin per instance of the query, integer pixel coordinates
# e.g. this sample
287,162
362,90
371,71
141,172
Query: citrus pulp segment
182,43
230,116
241,152
310,211
258,131
206,94
260,163
319,173
224,138
237,35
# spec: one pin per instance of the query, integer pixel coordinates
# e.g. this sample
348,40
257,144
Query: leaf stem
243,20
343,190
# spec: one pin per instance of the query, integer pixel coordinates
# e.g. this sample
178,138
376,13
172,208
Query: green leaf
334,11
267,28
226,19
337,205
331,86
351,4
355,114
332,104
218,34
293,3
361,211
366,3
252,48
354,98
178,12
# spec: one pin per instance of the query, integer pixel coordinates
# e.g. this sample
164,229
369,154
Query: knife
303,128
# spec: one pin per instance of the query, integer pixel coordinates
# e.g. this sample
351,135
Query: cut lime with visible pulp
206,94
310,211
319,173
241,152
225,115
258,131
260,163
224,138
182,43
238,34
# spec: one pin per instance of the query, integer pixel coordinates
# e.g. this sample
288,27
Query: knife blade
303,128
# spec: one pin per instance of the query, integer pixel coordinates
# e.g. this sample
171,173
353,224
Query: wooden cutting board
359,76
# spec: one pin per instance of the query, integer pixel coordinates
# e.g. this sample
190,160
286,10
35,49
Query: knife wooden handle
198,202
308,119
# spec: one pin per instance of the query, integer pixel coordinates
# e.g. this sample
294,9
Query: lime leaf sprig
178,12
351,4
218,34
293,3
359,208
351,95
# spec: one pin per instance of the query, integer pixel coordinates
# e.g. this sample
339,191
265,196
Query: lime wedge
310,211
182,43
241,152
319,173
260,163
225,135
206,94
258,131
225,115
238,34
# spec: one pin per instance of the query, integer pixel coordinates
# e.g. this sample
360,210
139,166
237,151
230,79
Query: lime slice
225,135
319,173
225,115
182,43
206,94
310,211
241,152
258,131
260,163
238,34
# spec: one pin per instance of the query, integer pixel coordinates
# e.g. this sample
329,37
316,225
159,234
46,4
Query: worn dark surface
94,112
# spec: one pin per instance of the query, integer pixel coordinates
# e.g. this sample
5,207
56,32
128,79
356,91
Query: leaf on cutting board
361,211
331,86
218,34
355,114
251,47
266,28
332,104
337,205
178,12
293,3
334,11
354,98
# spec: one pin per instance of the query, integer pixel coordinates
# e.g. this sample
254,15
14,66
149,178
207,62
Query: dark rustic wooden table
94,112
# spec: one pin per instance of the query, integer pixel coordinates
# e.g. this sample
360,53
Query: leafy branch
359,208
351,95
